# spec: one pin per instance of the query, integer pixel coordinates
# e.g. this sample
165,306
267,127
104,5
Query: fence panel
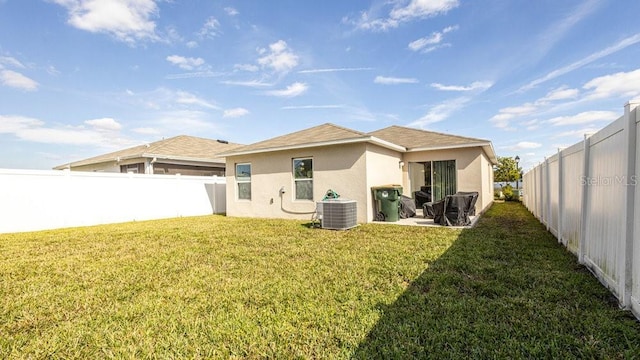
634,180
571,200
39,200
553,193
605,230
597,204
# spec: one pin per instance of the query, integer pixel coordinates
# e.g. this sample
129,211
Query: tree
506,170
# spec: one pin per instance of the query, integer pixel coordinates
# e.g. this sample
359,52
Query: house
185,155
285,176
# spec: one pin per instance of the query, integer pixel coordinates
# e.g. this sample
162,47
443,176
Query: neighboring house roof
178,148
402,139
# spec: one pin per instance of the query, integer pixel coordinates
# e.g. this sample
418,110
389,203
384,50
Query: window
132,168
243,179
303,178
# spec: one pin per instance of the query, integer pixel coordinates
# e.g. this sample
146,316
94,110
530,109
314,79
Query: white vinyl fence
38,200
587,197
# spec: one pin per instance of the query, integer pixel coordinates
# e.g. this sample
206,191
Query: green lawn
217,287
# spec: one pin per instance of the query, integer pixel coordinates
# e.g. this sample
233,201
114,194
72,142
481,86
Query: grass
217,287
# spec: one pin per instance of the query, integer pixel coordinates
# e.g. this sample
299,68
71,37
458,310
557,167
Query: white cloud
583,118
501,120
126,20
210,29
310,107
106,124
531,124
562,93
236,112
403,12
278,57
13,124
246,67
231,11
624,84
7,60
16,80
192,44
393,81
577,133
435,38
441,111
186,98
196,74
35,130
292,90
525,145
175,121
185,62
476,85
146,131
314,71
249,83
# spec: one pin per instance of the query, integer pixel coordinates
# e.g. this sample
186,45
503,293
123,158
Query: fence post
560,195
585,200
627,270
547,192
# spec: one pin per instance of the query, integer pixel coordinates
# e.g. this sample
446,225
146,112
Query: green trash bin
388,197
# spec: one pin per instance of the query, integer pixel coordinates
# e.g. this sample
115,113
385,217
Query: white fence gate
587,197
38,200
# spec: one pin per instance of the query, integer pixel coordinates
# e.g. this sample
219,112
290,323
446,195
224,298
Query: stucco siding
383,168
338,168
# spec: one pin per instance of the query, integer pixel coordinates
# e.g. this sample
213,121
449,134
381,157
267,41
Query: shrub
509,194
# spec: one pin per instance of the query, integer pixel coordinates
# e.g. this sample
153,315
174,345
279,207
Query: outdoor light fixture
517,159
400,164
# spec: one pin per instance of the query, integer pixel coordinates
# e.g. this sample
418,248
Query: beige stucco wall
351,170
383,168
339,168
472,171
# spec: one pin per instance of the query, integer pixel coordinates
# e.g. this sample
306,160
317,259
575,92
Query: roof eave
487,146
366,139
118,159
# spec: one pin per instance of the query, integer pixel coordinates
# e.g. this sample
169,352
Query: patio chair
474,198
453,210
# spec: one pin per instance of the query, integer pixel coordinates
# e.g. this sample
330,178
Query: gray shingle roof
179,147
400,138
421,139
320,134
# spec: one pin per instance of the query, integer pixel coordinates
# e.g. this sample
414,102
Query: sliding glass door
444,179
437,178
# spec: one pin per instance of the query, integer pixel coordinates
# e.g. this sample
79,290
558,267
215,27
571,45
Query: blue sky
80,78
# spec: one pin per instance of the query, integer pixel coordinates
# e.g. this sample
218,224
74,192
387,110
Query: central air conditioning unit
337,214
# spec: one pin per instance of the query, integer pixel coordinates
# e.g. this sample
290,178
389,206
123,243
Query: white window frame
243,180
296,180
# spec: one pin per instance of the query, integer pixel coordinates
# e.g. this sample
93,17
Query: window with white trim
243,181
303,178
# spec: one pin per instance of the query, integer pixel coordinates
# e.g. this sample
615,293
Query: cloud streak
631,40
394,80
293,90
